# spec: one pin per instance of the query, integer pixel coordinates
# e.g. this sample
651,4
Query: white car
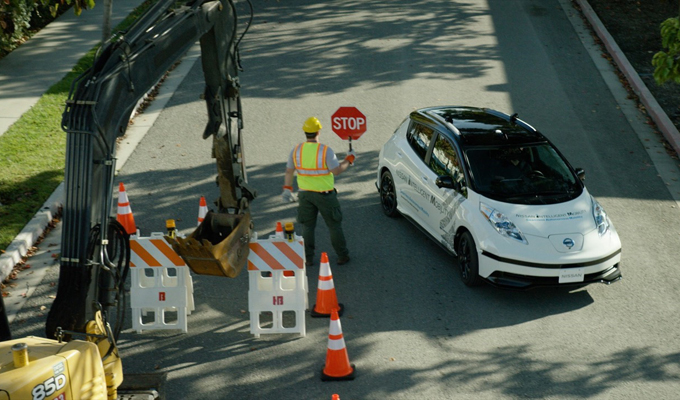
497,194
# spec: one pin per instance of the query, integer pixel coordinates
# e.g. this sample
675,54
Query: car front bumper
512,274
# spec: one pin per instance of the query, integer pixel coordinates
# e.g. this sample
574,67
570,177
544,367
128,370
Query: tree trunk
106,25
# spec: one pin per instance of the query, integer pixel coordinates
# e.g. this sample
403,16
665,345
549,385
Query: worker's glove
351,156
288,196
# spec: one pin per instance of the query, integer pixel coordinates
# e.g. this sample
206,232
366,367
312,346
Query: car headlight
601,218
502,224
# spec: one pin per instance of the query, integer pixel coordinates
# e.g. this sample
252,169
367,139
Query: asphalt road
411,327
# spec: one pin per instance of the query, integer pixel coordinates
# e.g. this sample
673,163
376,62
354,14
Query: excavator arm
94,255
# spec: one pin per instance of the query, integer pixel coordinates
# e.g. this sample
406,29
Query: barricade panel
161,293
277,295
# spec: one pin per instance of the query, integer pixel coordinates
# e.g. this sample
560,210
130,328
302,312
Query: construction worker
316,165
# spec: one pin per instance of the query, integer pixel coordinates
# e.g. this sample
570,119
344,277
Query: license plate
571,275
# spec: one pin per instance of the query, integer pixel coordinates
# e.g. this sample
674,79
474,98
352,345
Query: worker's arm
288,179
344,164
342,167
288,195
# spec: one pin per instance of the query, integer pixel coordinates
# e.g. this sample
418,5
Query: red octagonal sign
348,123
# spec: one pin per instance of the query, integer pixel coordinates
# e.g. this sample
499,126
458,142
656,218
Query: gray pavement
29,71
586,344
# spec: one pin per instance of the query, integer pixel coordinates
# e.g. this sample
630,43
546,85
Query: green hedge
20,18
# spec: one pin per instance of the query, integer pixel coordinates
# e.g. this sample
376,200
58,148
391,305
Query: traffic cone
202,210
279,231
337,366
326,300
335,397
124,215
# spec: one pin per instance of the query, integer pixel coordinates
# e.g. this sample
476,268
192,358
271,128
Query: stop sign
348,123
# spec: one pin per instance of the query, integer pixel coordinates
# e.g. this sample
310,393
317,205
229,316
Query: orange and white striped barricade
278,285
162,292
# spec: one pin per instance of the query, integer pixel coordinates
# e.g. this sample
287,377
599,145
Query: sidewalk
27,72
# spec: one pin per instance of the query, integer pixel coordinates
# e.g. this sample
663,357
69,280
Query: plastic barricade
278,286
161,291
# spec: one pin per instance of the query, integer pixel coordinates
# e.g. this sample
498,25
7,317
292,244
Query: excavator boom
97,113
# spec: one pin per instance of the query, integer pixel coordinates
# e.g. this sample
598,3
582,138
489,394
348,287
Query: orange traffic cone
335,397
326,300
124,215
202,210
279,231
337,366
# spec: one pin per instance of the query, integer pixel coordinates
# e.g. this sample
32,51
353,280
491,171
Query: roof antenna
513,118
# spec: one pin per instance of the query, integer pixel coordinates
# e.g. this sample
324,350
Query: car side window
419,137
444,160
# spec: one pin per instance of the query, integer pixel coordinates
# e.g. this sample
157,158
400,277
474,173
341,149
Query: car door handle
424,178
399,154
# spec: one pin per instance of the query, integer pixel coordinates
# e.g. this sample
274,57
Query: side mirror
447,182
581,173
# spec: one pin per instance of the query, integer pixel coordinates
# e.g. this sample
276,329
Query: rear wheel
468,260
388,195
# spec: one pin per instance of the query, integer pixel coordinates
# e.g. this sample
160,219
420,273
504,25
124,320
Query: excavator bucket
218,246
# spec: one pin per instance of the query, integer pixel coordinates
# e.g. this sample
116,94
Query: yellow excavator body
45,369
39,368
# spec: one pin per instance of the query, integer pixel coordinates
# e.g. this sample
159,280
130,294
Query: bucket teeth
218,246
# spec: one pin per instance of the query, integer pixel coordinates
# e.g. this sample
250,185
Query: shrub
18,18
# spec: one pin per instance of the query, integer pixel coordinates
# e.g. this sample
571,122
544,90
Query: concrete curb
31,232
658,115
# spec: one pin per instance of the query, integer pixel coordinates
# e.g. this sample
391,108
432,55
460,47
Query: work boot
343,260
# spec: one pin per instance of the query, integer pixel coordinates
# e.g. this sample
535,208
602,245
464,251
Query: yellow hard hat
312,125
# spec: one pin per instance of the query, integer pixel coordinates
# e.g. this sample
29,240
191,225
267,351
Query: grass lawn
32,151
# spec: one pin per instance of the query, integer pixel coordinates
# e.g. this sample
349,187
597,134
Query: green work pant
310,204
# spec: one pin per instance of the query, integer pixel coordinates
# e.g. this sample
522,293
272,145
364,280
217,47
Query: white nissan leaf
496,193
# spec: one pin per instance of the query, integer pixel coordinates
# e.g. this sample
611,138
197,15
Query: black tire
388,195
468,260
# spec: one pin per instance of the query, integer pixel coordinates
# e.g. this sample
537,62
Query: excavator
78,357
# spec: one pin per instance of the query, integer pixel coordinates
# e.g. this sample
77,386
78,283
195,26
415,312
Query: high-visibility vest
313,174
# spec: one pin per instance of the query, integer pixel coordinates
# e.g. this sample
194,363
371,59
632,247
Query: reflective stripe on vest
312,172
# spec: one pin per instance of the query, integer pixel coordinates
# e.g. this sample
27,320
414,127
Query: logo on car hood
563,216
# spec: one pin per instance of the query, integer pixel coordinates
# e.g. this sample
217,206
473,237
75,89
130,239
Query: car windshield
531,174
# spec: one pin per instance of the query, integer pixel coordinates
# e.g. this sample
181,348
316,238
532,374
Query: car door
408,180
443,208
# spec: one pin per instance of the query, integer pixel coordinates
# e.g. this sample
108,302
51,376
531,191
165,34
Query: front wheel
468,260
388,195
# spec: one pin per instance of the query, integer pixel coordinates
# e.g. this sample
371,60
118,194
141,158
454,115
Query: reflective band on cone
124,215
326,299
337,366
202,210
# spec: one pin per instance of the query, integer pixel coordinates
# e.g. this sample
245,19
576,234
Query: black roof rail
443,121
511,118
